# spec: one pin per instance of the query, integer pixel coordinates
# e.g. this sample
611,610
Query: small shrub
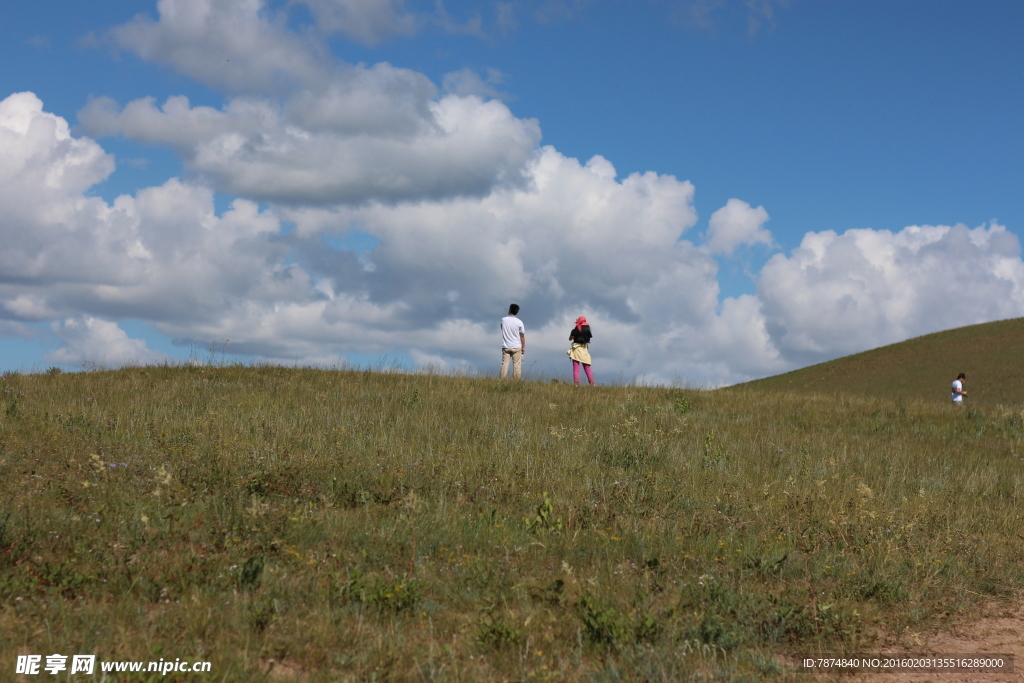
835,620
646,628
602,624
256,486
354,589
885,591
713,453
544,519
377,592
764,664
553,594
261,613
495,632
714,629
252,573
784,619
393,597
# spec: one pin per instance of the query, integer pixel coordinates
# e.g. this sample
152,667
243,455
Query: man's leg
504,363
590,375
517,363
576,372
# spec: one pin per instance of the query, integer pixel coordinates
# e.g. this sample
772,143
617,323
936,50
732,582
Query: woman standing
580,353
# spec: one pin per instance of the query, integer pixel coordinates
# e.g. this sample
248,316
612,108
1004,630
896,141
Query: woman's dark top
581,336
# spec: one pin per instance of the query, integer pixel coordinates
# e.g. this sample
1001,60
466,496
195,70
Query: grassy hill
307,525
991,355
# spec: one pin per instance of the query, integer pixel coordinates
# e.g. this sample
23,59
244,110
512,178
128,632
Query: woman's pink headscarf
580,322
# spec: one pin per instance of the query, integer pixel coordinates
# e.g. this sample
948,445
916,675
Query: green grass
991,355
365,526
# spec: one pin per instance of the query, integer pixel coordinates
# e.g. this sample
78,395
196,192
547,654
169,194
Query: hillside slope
991,354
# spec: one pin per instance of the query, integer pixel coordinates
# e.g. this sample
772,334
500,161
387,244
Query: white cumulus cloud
460,145
837,294
234,45
90,340
303,126
737,223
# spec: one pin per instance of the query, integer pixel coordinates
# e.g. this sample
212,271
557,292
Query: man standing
958,389
513,343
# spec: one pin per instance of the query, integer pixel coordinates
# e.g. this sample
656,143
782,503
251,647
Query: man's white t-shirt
511,328
957,387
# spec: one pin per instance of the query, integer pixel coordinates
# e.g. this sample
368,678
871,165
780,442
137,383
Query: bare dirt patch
999,630
283,671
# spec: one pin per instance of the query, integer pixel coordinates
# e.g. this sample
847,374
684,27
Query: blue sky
863,118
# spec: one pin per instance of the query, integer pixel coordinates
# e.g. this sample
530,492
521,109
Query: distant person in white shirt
958,389
513,343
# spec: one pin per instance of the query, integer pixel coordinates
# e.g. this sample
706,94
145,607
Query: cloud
572,231
737,223
39,42
435,273
761,13
837,294
468,82
161,254
547,11
40,154
305,127
46,219
9,328
441,364
230,45
89,340
571,238
709,15
505,17
363,21
332,148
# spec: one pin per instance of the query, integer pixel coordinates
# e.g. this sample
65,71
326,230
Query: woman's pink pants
576,372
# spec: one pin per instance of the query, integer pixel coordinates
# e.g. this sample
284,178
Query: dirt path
999,631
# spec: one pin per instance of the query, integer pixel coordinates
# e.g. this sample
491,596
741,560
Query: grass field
991,355
368,526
